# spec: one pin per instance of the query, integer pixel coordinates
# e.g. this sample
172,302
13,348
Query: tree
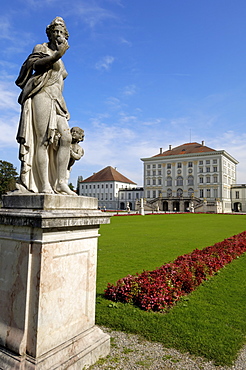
8,177
71,186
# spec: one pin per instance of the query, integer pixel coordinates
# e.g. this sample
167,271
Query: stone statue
76,152
43,134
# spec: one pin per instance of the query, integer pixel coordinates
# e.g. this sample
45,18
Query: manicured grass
211,321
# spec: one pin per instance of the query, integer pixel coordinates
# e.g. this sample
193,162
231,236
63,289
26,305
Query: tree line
8,177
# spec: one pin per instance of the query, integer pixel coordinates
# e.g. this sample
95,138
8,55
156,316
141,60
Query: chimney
203,143
160,150
170,147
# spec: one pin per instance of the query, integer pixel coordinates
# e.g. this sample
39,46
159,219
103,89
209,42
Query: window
90,186
208,193
169,165
159,172
208,179
154,194
106,196
106,185
101,196
179,165
214,161
200,169
169,192
98,186
200,163
179,193
137,195
215,193
154,173
148,181
148,165
169,181
102,186
153,166
129,195
154,181
86,186
190,164
201,193
207,169
215,168
122,195
94,186
215,178
237,194
159,181
111,185
179,181
148,173
190,180
201,180
207,161
159,165
190,192
148,194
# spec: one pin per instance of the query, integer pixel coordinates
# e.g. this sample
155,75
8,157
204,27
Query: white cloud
8,96
130,90
152,122
105,63
114,103
8,129
91,12
126,42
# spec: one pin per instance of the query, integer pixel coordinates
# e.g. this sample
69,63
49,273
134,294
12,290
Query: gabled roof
108,174
188,148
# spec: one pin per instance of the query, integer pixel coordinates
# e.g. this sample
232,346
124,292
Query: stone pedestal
48,255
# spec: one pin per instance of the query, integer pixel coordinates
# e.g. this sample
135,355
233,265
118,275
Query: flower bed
160,289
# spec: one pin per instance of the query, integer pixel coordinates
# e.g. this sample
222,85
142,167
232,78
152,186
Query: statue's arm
49,60
76,154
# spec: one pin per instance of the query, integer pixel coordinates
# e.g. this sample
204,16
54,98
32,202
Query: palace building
190,176
112,189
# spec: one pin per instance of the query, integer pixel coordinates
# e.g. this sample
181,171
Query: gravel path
132,352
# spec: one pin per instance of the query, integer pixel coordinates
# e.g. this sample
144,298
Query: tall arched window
190,192
190,180
169,192
180,181
179,193
169,181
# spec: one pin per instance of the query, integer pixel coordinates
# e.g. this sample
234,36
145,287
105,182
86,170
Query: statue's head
77,133
58,21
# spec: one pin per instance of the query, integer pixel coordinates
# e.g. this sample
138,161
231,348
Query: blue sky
143,74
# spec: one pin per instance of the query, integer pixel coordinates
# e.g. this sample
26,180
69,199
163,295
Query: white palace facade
190,175
112,189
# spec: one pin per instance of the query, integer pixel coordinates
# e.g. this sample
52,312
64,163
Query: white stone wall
105,191
209,175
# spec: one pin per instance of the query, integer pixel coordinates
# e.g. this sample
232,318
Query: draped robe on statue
34,82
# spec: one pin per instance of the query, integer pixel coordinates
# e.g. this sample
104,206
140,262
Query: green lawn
211,321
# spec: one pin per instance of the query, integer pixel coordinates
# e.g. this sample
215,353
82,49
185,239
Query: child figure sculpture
76,152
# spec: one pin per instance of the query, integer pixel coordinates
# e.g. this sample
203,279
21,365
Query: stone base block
75,354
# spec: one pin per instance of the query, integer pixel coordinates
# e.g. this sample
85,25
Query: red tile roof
108,174
188,148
